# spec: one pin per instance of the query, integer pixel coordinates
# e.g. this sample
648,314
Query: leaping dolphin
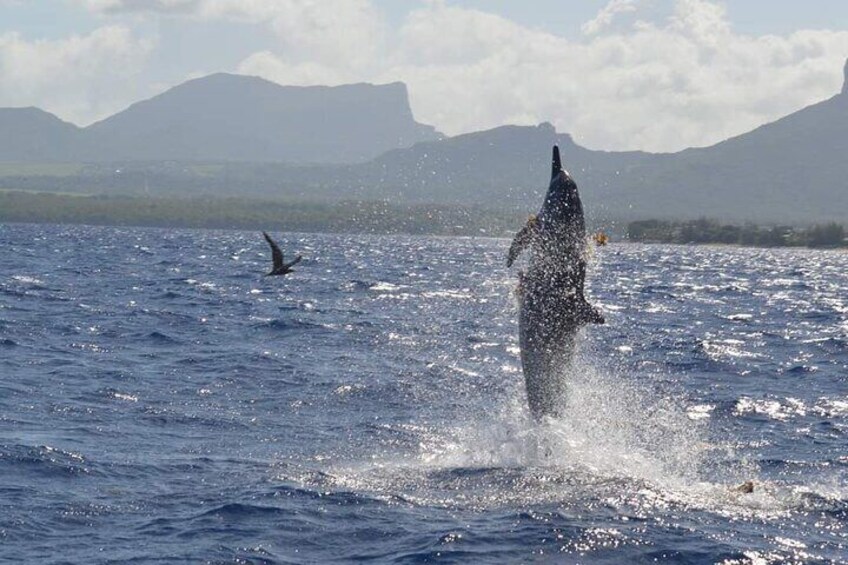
552,305
280,267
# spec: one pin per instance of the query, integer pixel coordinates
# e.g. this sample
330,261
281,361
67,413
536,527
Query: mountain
792,170
504,167
225,117
794,166
29,132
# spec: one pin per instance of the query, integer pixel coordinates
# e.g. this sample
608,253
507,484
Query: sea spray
613,426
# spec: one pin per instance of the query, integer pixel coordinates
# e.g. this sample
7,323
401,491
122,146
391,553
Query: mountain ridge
230,117
789,170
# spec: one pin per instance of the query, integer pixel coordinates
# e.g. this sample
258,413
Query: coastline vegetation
242,213
378,217
711,231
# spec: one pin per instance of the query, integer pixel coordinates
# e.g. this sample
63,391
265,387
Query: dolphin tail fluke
556,164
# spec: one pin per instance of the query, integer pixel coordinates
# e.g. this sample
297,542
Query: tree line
241,213
368,217
711,231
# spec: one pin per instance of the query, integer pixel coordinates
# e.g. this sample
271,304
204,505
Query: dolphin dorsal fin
556,164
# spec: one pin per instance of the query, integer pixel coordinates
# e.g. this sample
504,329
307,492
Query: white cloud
314,36
607,14
648,81
685,80
119,6
81,78
339,32
267,64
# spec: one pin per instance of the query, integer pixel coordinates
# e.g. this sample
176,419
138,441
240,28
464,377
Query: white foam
27,279
781,410
385,287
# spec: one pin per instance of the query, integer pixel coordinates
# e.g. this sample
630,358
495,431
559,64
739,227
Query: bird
280,267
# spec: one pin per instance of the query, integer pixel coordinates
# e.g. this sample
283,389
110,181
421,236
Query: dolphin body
553,308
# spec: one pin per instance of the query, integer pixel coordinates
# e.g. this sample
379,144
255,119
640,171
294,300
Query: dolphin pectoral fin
521,240
516,247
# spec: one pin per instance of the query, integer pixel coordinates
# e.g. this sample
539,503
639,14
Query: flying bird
280,267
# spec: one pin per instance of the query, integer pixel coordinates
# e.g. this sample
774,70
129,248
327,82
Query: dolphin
552,306
279,266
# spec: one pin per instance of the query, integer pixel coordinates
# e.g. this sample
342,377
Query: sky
653,75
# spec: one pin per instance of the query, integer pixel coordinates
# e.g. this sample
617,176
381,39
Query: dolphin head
562,206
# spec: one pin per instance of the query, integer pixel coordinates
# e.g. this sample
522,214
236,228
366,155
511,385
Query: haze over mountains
255,138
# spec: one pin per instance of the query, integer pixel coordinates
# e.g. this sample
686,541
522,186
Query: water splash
613,427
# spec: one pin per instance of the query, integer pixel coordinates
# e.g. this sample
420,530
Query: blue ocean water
161,402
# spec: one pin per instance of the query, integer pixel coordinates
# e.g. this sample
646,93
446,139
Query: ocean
162,402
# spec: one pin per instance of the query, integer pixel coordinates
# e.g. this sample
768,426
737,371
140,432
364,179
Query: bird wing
295,262
276,254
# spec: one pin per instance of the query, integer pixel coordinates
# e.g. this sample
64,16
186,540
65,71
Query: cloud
83,77
607,14
684,80
309,32
270,66
673,74
121,6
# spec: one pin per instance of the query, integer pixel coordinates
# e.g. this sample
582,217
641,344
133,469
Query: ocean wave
336,416
42,460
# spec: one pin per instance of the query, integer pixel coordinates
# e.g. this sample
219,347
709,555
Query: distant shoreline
370,217
705,231
711,232
251,214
